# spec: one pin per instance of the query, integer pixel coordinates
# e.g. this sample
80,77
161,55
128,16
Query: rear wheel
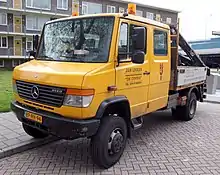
108,144
34,132
188,111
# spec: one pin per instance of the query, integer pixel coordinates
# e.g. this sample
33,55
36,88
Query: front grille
49,95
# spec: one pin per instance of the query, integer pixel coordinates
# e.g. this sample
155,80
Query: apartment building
21,19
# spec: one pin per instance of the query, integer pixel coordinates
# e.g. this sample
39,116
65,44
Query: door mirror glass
35,41
138,57
139,38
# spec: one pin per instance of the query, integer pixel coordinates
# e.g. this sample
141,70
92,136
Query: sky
198,18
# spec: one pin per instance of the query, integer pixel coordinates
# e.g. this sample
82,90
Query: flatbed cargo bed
190,75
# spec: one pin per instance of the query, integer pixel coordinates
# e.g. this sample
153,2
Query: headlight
78,98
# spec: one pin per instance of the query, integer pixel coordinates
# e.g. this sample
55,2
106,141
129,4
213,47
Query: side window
160,42
125,42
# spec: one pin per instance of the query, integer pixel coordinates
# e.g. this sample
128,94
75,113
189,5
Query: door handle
146,73
112,88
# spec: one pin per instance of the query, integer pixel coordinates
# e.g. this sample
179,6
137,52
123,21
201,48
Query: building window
3,42
62,4
110,9
3,19
139,13
2,63
16,63
160,42
169,21
121,10
91,8
84,8
35,22
29,44
125,42
39,4
158,18
150,15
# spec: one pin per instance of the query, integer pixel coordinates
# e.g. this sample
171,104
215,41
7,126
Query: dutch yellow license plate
34,117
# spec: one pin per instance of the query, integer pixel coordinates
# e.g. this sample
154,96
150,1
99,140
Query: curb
24,146
213,102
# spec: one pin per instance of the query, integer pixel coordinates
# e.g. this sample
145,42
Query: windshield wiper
45,56
73,58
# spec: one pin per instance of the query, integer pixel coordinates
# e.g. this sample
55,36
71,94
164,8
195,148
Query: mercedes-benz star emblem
35,92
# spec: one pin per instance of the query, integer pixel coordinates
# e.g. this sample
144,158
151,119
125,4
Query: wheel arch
195,89
116,105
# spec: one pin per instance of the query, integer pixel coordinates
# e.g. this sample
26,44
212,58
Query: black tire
187,112
34,132
100,143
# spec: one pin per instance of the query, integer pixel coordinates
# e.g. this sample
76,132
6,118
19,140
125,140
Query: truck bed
187,75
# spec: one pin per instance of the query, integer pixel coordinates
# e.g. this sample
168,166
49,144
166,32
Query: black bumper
56,124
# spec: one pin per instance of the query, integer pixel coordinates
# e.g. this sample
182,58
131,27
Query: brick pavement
163,146
12,137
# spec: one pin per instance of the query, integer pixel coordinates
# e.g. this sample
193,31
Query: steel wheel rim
115,142
192,107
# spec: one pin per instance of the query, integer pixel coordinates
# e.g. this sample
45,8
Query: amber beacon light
132,8
75,8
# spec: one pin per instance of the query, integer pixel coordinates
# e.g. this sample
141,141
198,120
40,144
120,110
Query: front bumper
56,124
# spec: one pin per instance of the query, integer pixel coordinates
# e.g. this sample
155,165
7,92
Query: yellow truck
96,76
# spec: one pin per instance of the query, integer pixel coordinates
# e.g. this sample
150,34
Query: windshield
77,40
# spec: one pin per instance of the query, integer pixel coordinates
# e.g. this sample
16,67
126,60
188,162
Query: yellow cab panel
132,80
61,66
159,49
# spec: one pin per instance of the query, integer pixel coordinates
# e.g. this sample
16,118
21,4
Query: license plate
33,117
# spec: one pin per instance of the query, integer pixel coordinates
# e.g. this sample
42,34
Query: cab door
132,80
160,68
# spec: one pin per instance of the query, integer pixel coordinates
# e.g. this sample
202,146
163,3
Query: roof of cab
119,15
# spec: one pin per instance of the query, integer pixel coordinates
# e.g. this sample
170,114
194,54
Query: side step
137,122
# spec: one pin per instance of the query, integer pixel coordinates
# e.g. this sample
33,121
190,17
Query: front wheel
108,144
188,111
34,132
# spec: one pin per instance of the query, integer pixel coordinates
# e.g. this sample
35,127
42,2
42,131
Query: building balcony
53,11
14,53
18,30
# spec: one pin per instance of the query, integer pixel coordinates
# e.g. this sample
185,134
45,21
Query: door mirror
208,71
35,41
31,54
138,57
139,38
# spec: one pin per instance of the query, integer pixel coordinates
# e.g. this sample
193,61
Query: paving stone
12,137
162,146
